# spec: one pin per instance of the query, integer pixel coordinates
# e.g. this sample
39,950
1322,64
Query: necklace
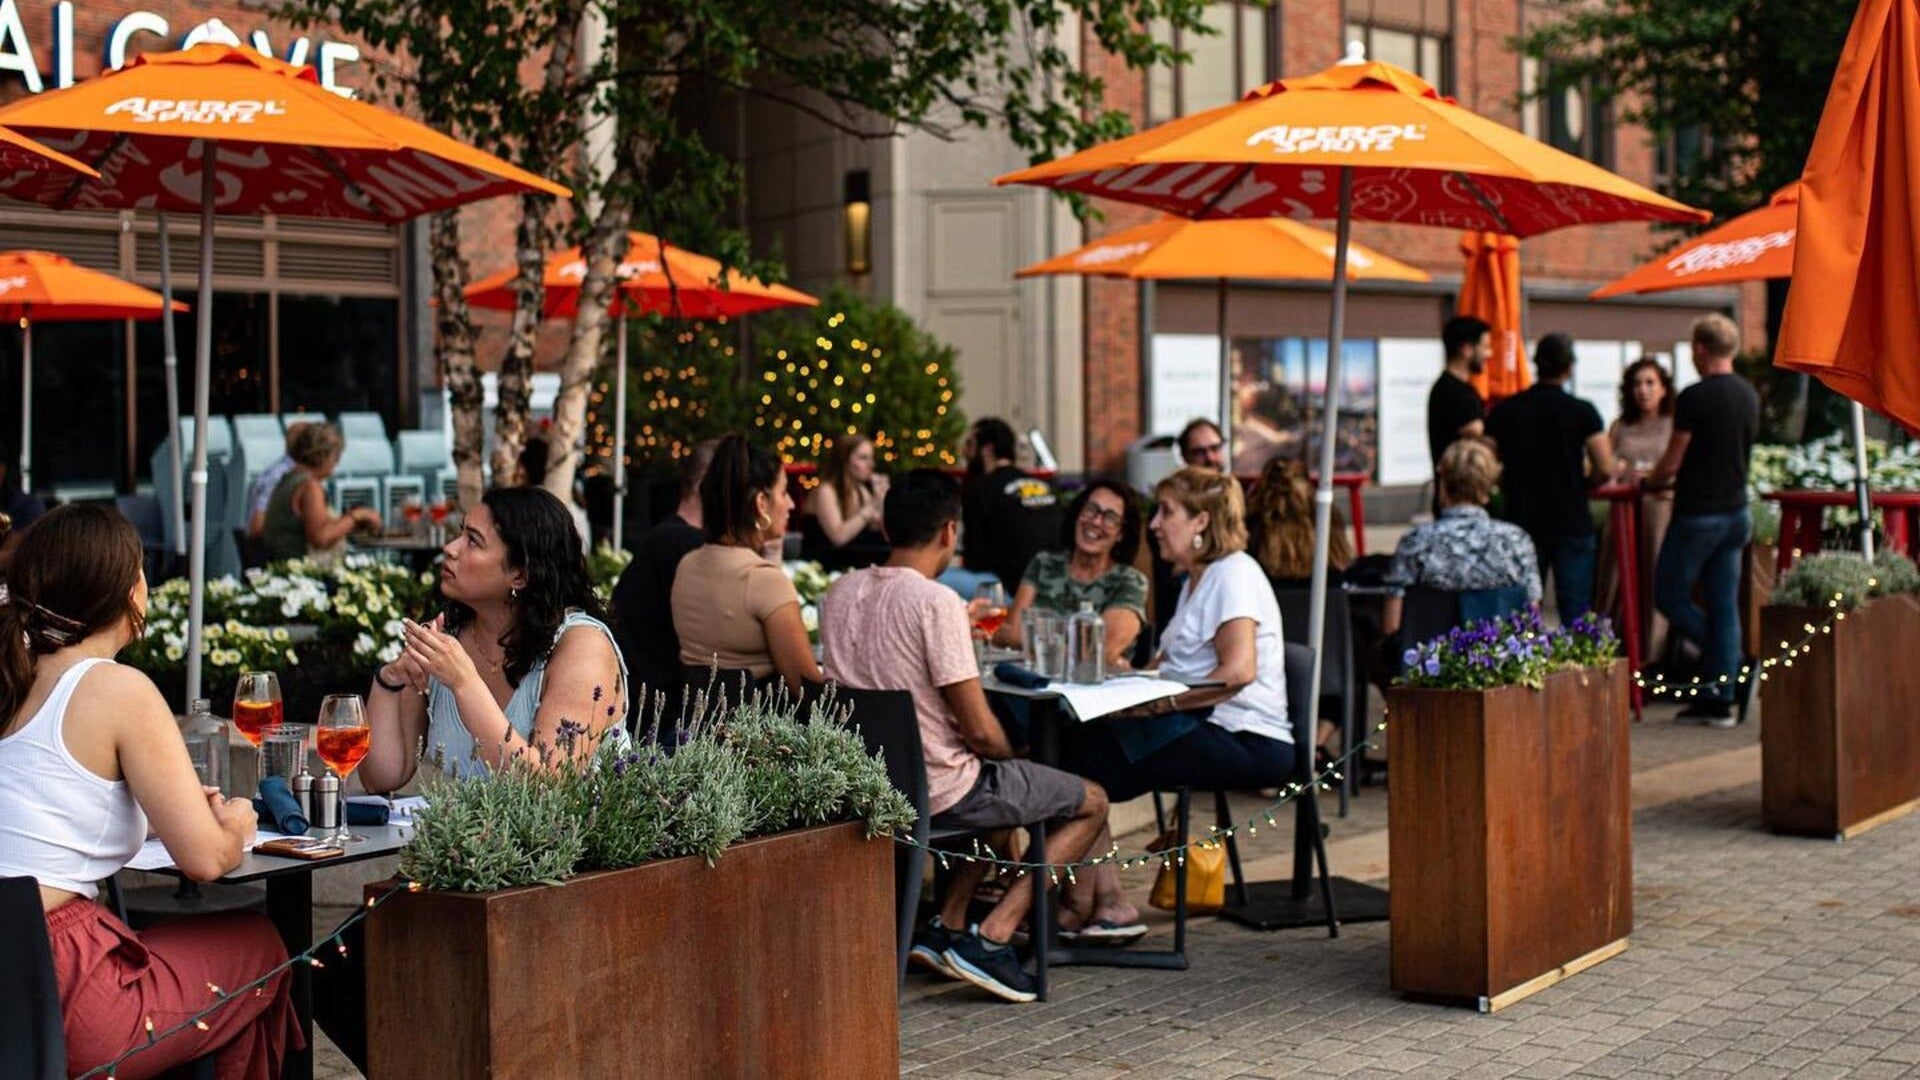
492,664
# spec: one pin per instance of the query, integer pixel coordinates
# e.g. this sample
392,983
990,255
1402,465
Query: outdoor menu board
1186,380
1408,367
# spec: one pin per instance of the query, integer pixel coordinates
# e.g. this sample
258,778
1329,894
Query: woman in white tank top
90,760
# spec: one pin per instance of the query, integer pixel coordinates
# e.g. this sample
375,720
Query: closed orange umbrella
653,277
222,128
1755,246
1853,310
1251,249
1490,292
21,154
44,287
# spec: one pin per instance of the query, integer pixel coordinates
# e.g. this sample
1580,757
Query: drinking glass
1049,647
283,752
257,711
342,737
989,612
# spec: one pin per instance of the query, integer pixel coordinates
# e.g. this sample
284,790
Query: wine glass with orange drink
989,610
257,710
342,738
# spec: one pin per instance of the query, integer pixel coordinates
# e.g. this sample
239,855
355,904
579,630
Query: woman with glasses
1100,539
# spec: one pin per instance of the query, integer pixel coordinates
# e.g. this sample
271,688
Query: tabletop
379,840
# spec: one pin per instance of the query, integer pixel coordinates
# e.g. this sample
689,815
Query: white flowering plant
810,580
1827,464
604,567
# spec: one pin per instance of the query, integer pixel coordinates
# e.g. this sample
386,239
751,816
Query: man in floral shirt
1465,549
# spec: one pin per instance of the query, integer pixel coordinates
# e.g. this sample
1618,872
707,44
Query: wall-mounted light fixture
858,211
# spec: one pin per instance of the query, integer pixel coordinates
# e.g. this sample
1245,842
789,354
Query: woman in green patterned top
1101,538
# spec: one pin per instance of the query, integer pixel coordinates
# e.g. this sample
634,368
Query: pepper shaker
326,804
303,794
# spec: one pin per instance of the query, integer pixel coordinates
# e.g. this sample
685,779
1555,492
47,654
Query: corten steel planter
1510,849
777,961
1840,737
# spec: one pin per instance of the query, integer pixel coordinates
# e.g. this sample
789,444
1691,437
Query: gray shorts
1013,793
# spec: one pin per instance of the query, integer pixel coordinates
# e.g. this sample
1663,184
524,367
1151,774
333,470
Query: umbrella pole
620,435
1863,496
202,367
172,359
1226,386
1329,430
26,404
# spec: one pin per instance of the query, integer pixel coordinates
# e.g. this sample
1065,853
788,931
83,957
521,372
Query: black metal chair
887,721
32,1045
1340,683
1309,839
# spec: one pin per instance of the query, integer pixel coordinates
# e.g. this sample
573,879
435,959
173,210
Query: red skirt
115,984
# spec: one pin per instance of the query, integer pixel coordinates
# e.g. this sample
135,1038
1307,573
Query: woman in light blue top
519,663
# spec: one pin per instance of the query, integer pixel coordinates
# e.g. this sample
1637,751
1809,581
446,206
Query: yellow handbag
1206,870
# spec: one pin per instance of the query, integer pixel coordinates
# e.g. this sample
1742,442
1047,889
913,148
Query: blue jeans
1571,561
1705,549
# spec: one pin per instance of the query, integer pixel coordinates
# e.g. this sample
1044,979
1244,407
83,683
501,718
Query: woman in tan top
1639,437
732,608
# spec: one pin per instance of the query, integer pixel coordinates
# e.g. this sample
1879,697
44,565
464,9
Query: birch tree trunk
514,387
453,325
603,248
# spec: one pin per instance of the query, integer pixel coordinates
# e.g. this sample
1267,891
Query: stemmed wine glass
342,738
257,711
989,612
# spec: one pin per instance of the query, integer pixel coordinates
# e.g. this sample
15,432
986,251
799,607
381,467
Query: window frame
1175,76
1366,27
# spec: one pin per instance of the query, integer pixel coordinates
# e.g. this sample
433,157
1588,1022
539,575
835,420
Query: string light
1757,670
198,1021
1166,857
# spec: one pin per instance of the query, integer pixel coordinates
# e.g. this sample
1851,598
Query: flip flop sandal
1106,932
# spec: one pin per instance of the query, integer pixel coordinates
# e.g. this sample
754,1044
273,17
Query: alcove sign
48,63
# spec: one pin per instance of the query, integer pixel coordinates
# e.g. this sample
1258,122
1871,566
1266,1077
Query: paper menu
1091,702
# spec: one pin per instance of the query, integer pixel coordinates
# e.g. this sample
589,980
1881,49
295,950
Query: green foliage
853,365
604,567
1749,75
1846,579
517,827
895,383
748,770
1511,650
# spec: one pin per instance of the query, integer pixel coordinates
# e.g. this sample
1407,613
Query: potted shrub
1510,824
1839,749
723,911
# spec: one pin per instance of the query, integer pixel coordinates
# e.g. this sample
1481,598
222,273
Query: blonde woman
1225,630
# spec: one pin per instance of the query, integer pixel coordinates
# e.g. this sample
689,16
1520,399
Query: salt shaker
303,794
326,804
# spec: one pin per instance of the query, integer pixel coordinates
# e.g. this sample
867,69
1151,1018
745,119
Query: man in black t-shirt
1454,408
643,600
1547,438
1006,514
1715,423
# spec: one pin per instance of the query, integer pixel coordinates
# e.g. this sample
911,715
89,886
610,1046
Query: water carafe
1086,646
206,738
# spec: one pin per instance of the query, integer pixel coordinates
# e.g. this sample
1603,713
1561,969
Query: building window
1679,153
1566,113
1424,54
1220,66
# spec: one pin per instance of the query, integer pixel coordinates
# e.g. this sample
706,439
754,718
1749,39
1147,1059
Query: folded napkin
366,813
278,809
1014,675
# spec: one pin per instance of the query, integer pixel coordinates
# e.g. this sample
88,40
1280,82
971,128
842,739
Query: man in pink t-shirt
893,627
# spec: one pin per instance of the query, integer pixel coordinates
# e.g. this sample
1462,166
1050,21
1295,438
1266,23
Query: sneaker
993,968
930,946
1709,711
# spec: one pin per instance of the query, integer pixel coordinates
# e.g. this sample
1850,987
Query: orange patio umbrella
21,154
653,277
1362,140
1755,246
39,286
217,128
1490,292
1175,248
1852,320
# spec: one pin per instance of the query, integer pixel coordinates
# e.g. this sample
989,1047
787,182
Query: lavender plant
1817,579
1511,650
743,770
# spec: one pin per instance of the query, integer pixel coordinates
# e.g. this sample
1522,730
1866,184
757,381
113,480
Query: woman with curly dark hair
520,652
